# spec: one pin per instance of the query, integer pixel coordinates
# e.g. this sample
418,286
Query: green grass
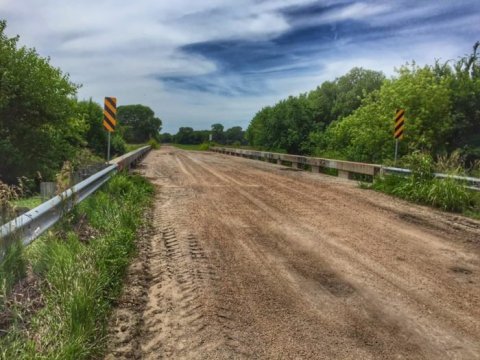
446,194
80,280
30,202
196,147
131,147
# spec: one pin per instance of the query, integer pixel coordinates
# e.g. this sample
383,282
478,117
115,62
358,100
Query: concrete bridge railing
346,169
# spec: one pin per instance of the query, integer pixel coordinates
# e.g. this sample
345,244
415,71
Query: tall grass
81,280
422,187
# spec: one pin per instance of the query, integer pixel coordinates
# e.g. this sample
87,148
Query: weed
422,187
81,280
153,143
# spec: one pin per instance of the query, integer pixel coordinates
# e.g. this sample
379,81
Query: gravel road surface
247,259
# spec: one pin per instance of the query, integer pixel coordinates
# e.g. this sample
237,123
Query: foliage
81,280
289,123
366,135
92,114
217,133
166,138
186,135
422,187
138,123
154,144
118,145
193,147
12,269
39,128
235,136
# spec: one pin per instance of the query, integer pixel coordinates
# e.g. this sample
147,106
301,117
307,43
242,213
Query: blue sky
201,62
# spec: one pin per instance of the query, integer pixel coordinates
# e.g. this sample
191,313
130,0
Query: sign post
110,119
399,126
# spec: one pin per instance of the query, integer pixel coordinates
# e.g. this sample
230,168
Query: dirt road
253,260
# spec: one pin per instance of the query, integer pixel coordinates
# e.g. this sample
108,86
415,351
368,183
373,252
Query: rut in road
246,260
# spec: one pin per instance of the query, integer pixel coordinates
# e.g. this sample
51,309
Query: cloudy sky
200,62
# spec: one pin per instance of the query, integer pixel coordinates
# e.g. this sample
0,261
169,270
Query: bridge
256,259
249,259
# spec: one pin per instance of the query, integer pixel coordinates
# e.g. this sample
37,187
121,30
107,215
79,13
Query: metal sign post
396,151
108,148
398,132
110,119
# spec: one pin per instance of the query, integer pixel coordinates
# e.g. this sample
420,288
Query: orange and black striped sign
399,124
110,114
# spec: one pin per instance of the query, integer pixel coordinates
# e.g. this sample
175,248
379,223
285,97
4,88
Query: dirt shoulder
247,260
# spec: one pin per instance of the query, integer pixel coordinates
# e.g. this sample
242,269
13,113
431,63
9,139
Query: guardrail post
344,174
315,169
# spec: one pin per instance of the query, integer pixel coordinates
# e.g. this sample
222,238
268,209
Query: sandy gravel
248,259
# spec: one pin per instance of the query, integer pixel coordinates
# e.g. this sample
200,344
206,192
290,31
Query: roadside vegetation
57,293
196,147
234,136
422,187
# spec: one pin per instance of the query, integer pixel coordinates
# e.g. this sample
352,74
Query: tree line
43,124
352,117
187,136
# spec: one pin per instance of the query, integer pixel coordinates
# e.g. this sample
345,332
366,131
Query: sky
196,63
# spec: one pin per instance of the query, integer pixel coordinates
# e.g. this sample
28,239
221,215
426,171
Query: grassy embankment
423,188
77,271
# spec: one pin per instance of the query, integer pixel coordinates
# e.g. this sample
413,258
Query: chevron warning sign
110,114
399,124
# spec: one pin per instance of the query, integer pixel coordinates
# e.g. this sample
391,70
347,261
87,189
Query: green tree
39,128
96,136
166,138
138,123
288,125
185,135
464,81
217,133
235,135
367,134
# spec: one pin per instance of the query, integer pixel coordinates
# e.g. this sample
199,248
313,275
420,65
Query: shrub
153,143
422,187
204,147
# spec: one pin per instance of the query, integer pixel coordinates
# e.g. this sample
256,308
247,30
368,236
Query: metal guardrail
32,224
345,168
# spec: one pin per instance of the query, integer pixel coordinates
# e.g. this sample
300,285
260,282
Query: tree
185,135
39,128
96,136
217,133
287,125
139,123
235,135
166,138
367,134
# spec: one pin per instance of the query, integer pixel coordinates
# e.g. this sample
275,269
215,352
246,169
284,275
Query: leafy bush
422,187
118,145
204,146
154,144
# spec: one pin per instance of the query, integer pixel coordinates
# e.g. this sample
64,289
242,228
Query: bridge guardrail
33,223
346,169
